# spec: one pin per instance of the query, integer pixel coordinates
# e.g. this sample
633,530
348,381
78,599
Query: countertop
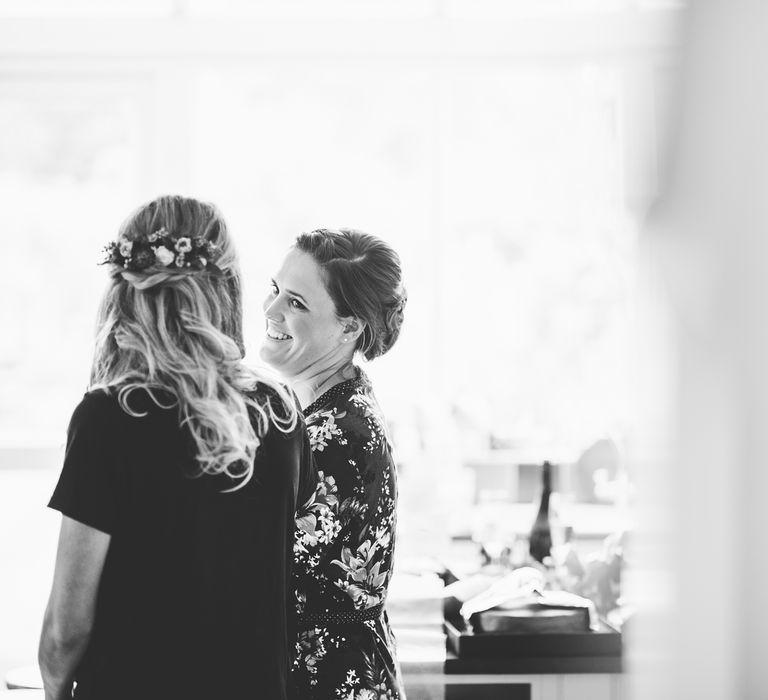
415,609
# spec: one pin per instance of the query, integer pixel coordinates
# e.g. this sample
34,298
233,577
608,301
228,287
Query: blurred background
508,149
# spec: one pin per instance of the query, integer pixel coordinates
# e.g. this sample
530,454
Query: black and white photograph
383,349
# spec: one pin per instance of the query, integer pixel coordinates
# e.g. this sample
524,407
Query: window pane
308,10
69,161
86,8
288,150
528,8
536,286
479,9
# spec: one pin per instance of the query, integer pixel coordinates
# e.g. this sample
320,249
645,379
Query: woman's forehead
301,274
300,268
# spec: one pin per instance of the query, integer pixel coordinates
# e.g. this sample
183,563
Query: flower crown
161,249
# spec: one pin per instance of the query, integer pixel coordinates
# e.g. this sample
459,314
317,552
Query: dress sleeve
344,533
364,562
88,486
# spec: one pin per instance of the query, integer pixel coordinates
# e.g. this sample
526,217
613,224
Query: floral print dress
344,544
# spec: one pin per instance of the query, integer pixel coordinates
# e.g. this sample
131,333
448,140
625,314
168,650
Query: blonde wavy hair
179,332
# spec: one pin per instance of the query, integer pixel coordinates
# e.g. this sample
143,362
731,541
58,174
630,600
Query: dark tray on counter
598,651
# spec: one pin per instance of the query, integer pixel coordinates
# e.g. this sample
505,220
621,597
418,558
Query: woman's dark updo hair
363,276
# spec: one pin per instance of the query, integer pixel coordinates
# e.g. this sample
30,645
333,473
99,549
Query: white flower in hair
126,247
180,260
165,256
183,245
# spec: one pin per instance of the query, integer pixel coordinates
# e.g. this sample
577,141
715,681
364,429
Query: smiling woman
305,337
338,296
337,293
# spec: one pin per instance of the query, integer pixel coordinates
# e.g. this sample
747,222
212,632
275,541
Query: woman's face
304,336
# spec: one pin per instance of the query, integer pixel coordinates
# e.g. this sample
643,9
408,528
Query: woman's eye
296,304
273,289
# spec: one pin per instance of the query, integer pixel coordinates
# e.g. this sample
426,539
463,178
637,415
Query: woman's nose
272,308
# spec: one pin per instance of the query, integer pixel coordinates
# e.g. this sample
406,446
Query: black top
192,599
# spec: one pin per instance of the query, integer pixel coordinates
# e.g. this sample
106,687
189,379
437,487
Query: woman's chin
273,354
268,355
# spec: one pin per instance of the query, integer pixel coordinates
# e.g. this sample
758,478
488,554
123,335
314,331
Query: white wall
701,557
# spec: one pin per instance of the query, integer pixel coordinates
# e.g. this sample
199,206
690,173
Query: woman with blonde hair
182,474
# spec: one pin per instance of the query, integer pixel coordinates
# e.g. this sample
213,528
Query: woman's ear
352,329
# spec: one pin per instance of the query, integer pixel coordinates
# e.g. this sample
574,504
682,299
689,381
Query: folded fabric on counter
518,602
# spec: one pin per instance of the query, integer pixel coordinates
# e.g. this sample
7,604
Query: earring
345,339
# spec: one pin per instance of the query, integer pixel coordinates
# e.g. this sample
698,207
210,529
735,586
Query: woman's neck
310,388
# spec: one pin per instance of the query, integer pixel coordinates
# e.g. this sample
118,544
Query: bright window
70,167
505,149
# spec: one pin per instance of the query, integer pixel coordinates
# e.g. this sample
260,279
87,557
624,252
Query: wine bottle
540,539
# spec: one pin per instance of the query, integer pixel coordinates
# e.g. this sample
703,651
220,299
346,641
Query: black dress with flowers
344,545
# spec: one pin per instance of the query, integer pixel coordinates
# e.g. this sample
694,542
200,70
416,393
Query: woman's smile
273,334
303,334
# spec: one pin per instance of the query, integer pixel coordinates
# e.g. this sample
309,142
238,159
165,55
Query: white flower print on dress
343,549
316,520
364,582
310,649
321,434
